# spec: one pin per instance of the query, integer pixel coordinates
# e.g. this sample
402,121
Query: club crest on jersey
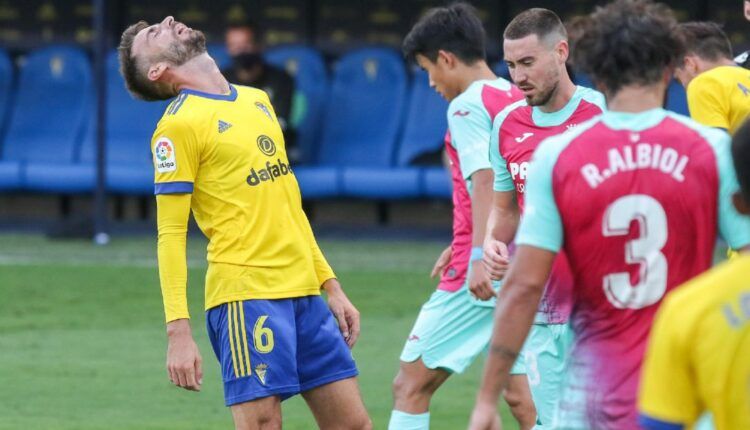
263,108
266,145
164,158
260,370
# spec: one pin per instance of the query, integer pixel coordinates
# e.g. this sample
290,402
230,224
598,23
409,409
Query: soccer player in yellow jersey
699,352
219,151
718,91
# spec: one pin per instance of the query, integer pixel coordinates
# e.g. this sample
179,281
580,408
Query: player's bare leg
414,386
518,397
261,414
338,406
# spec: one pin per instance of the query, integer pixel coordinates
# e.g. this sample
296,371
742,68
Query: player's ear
742,205
562,50
446,59
156,71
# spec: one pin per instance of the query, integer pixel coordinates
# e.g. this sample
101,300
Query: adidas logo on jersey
224,126
269,173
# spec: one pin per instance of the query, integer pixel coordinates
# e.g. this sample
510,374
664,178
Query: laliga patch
164,158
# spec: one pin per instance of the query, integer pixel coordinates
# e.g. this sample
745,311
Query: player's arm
706,104
734,227
539,239
667,397
502,222
183,357
176,155
470,127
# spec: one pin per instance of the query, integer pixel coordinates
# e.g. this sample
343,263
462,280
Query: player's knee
408,387
519,401
261,420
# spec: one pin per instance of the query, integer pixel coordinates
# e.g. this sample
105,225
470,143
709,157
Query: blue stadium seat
677,98
10,173
51,113
501,69
130,125
426,121
437,183
307,67
362,123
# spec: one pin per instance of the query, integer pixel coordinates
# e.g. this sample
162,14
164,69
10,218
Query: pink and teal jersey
516,133
636,201
470,117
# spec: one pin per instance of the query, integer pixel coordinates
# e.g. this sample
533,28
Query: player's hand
442,262
184,362
485,417
344,311
496,258
480,284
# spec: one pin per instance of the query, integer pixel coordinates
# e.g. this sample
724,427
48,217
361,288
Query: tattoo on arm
504,352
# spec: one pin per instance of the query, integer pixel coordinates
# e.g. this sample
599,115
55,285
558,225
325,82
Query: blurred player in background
219,151
535,46
454,327
699,353
244,44
744,58
718,91
635,197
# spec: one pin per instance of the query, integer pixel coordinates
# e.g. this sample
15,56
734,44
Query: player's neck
637,98
476,72
201,74
560,96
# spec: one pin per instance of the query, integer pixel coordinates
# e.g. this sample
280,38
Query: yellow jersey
698,357
223,158
720,97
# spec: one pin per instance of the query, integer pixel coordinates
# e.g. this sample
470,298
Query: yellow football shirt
698,356
720,97
223,158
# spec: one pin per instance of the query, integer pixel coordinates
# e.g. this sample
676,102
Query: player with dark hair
618,194
699,347
218,151
718,92
455,324
535,47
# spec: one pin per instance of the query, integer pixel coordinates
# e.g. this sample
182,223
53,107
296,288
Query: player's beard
544,96
180,52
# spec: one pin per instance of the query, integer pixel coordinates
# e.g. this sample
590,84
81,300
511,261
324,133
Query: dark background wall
333,26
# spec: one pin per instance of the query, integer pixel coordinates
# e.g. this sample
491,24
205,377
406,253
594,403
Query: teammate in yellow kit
718,91
699,351
219,151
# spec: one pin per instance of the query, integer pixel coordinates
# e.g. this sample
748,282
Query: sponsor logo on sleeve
164,158
461,113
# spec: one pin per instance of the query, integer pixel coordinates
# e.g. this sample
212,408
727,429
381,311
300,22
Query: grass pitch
82,343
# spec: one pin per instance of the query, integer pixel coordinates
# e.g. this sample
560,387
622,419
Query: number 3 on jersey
262,336
645,251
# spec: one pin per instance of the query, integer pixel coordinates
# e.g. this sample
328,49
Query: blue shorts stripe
245,352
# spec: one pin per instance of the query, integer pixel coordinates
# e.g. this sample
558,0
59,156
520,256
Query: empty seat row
364,123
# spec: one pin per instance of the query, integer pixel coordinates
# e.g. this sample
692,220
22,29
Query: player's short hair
134,72
544,23
627,42
706,40
456,29
741,157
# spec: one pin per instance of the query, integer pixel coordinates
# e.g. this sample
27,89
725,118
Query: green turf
82,342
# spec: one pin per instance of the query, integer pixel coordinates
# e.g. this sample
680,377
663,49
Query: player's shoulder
472,99
519,107
709,289
592,97
250,92
716,137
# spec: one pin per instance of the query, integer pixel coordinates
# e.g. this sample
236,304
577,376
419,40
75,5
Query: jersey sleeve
541,225
470,127
503,179
706,104
172,221
668,393
176,154
734,227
